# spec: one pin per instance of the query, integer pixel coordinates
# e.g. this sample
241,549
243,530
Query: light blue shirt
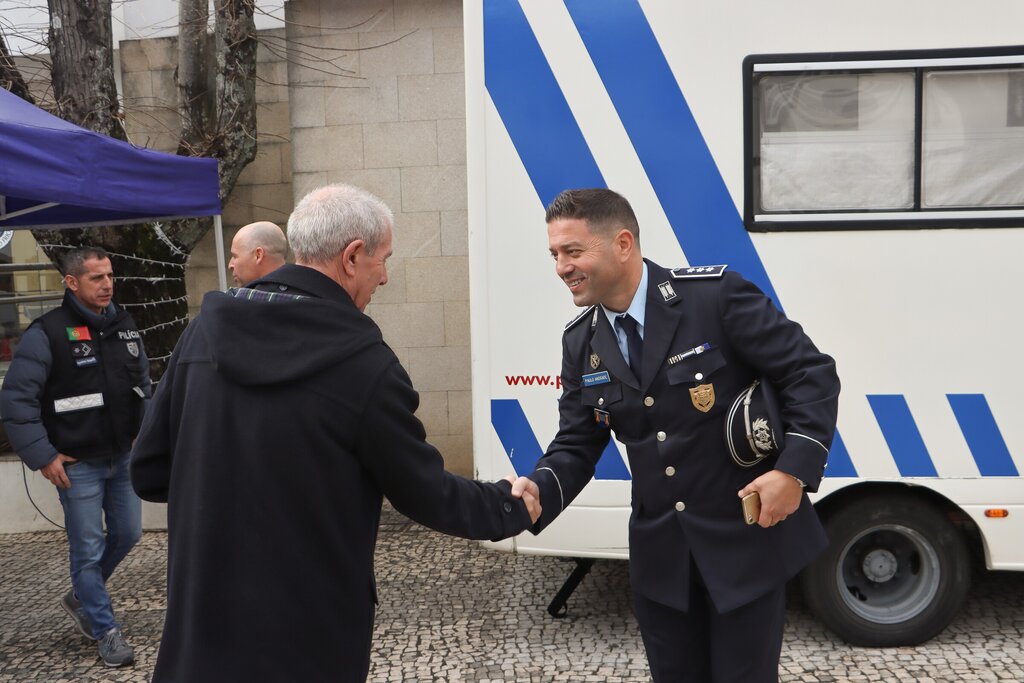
636,311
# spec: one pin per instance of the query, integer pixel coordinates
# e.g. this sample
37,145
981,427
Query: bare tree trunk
193,94
81,46
236,89
231,136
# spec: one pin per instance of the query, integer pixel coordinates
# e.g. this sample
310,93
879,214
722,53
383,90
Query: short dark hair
73,262
605,211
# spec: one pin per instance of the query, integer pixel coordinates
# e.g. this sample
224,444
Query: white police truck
863,163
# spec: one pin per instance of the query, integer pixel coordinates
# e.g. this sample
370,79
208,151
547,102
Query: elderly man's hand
528,490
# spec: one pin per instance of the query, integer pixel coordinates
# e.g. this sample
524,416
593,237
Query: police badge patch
595,361
133,348
703,397
81,350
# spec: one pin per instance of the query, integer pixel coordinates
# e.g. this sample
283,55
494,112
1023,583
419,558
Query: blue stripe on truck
982,434
520,443
532,106
902,435
666,137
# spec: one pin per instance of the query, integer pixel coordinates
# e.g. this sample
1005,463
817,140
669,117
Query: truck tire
895,573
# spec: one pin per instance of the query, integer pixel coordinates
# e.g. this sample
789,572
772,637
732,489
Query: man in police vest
71,403
657,358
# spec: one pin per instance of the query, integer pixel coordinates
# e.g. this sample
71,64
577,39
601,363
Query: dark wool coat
274,433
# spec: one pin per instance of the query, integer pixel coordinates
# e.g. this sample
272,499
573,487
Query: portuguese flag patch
78,333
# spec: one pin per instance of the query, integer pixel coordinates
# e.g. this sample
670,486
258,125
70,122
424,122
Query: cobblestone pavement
452,610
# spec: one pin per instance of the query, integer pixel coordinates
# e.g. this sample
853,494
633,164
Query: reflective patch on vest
85,362
73,403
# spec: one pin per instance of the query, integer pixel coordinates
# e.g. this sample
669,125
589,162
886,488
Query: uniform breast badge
703,397
602,417
595,361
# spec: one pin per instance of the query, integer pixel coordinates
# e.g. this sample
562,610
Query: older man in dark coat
281,421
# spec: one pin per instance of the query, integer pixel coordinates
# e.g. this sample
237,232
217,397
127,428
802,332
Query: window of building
919,139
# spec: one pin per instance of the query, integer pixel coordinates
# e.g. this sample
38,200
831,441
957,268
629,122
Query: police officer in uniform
657,359
72,403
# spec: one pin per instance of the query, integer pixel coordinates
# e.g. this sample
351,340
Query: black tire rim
888,574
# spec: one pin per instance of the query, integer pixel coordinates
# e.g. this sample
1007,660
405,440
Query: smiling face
597,269
94,286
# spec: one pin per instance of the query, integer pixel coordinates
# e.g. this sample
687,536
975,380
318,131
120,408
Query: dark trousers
703,646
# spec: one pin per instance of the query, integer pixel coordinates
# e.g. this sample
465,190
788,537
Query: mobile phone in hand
751,508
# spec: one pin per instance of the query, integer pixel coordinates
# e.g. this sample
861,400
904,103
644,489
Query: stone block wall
377,99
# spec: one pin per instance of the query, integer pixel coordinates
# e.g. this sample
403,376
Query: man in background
72,403
257,249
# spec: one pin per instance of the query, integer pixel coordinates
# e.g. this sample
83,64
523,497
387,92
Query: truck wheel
895,573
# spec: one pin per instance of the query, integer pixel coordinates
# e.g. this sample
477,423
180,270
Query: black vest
93,400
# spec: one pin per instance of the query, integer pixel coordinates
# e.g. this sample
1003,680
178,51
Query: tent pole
218,235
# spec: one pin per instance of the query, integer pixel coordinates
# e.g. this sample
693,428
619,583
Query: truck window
919,141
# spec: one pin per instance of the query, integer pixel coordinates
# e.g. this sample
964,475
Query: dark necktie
634,344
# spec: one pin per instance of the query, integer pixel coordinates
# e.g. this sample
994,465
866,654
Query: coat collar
662,321
308,280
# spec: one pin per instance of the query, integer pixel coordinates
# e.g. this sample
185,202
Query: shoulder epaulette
581,316
694,272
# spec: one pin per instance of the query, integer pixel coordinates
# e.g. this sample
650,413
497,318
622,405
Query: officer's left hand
780,496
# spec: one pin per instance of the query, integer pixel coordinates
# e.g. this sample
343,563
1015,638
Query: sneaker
114,651
73,607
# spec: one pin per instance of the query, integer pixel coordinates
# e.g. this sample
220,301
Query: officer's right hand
528,490
55,473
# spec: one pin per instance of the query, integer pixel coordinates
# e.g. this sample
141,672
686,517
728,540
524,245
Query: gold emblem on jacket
595,361
703,397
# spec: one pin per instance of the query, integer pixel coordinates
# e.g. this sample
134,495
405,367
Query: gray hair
73,262
330,218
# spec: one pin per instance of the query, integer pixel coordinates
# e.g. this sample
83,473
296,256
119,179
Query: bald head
257,249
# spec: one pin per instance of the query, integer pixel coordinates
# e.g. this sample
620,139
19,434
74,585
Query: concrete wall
377,99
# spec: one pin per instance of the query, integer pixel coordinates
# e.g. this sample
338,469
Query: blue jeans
99,488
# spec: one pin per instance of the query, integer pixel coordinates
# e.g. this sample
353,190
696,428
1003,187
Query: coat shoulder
591,312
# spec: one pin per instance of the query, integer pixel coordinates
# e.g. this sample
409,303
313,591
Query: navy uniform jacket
685,483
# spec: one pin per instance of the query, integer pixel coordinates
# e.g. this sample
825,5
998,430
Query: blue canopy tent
54,174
